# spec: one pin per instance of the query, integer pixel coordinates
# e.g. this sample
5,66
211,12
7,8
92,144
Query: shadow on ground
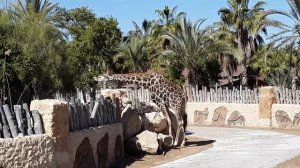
198,143
130,159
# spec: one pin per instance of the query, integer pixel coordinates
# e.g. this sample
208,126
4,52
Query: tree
73,22
195,49
168,21
95,42
246,24
290,34
228,61
168,18
133,56
40,48
8,88
42,7
277,66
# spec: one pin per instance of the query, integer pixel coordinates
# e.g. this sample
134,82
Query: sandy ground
295,162
193,145
292,163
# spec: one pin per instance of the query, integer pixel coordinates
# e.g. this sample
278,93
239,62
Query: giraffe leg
166,114
178,123
180,135
163,108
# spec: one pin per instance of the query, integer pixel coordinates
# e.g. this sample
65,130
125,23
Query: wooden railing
287,96
222,95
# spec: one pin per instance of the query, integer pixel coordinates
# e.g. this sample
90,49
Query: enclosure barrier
19,122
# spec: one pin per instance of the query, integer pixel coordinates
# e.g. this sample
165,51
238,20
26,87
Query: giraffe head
104,77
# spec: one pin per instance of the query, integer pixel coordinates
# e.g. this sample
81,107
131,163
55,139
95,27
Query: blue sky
127,11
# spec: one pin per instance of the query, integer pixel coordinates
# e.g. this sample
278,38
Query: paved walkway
240,148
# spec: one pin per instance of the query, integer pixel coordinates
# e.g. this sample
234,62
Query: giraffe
169,98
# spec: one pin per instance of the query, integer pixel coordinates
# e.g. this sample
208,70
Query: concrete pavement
240,148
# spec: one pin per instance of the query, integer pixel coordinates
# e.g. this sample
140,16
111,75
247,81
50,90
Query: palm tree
245,26
133,55
290,34
145,30
169,17
277,66
196,50
42,7
41,45
229,62
168,20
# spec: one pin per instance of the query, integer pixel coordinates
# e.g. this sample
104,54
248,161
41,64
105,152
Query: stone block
267,98
55,116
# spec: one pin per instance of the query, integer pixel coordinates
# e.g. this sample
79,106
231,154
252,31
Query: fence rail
287,96
19,122
222,95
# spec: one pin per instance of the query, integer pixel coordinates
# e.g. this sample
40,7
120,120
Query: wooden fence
79,95
19,122
287,96
95,113
222,95
142,94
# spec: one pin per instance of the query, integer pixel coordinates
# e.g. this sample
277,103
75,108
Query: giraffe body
169,97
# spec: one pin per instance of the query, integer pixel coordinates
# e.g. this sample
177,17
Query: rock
154,121
145,142
166,140
118,92
126,100
142,107
131,122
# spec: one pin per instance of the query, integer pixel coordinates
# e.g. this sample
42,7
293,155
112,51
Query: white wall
290,109
249,111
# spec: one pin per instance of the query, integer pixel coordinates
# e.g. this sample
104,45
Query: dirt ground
292,163
193,145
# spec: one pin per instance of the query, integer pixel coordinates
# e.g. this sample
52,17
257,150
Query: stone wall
96,147
59,148
30,151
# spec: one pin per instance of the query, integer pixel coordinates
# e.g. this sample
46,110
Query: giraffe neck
138,79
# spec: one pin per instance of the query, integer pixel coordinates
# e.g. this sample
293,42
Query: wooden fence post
5,127
11,121
28,118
